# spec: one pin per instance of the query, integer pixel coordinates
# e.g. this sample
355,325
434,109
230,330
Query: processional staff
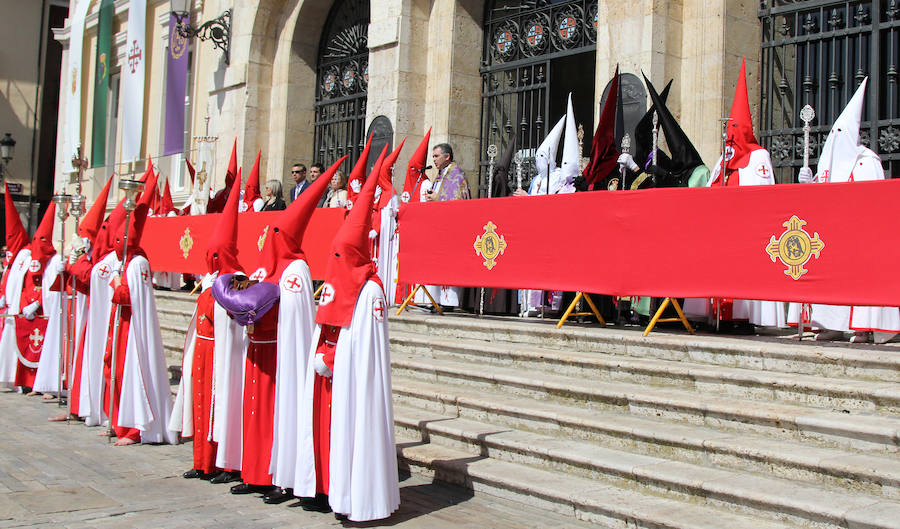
722,179
807,114
62,202
131,188
492,154
625,148
76,209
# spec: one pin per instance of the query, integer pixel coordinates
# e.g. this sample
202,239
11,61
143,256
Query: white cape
363,460
146,400
228,389
46,380
9,349
296,315
90,398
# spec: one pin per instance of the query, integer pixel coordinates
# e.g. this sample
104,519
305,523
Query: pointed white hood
545,157
842,149
571,152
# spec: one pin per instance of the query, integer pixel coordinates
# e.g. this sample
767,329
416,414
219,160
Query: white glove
2,301
805,175
627,160
31,310
320,366
60,267
72,258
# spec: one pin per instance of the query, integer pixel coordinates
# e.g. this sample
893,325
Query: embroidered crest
795,247
378,309
327,295
262,238
404,197
186,243
36,339
293,283
490,245
259,275
35,266
242,207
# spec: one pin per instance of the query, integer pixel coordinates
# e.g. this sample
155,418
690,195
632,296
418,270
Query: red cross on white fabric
145,275
104,271
327,295
34,266
36,338
378,309
134,56
293,283
259,275
762,170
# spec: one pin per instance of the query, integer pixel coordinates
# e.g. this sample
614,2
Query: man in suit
298,174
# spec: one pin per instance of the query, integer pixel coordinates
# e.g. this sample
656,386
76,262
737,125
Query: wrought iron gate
342,80
521,39
818,52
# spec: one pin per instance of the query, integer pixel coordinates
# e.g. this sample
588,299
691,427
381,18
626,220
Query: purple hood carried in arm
246,306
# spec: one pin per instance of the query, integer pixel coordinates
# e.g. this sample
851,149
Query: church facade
309,80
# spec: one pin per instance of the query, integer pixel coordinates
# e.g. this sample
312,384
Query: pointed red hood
251,190
191,171
135,231
284,242
386,176
90,224
604,154
42,242
222,251
103,243
16,235
740,136
415,171
350,261
150,195
358,174
232,171
166,205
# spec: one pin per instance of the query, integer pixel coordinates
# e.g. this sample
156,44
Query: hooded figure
18,257
31,328
545,160
384,221
53,279
143,403
357,176
285,264
604,153
252,200
412,186
685,167
348,459
844,159
217,203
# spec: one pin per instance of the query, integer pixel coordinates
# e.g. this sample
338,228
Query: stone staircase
670,431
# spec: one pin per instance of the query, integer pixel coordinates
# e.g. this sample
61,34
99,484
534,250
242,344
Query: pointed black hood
684,155
643,136
501,170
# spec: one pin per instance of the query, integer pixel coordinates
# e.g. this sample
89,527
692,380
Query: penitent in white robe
46,380
363,481
9,349
90,405
296,315
146,400
387,248
228,389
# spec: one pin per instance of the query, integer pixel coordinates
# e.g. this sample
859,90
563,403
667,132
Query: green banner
101,82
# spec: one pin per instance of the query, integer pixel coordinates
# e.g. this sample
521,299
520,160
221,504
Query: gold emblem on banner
490,245
186,243
795,247
262,238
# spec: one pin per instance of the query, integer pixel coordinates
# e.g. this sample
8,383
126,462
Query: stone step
870,362
743,383
584,498
779,499
785,421
873,474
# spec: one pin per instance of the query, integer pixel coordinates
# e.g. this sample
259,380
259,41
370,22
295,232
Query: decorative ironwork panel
521,39
817,52
342,82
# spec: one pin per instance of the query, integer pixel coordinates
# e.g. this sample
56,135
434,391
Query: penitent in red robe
202,384
122,297
29,335
259,399
322,407
80,272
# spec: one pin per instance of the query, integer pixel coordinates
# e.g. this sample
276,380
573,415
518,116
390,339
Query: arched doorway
342,75
534,54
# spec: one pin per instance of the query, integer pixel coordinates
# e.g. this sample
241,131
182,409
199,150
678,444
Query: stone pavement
58,475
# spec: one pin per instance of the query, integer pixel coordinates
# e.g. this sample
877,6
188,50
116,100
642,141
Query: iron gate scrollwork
342,80
817,53
521,38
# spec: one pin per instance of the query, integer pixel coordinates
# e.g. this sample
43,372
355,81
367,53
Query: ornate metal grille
341,82
521,39
817,53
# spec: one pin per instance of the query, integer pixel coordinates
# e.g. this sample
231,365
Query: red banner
821,243
178,244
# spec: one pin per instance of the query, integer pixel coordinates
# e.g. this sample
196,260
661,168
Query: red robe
259,400
322,407
202,384
29,334
122,297
80,271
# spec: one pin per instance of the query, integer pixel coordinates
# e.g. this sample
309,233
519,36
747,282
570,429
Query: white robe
387,248
9,349
296,315
228,389
363,481
146,401
762,313
90,403
46,380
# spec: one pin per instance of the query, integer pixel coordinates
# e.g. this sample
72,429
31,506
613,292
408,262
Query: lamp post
218,30
131,189
7,148
62,202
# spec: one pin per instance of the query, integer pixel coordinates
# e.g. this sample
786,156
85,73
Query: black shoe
246,488
317,504
192,474
340,517
279,495
225,477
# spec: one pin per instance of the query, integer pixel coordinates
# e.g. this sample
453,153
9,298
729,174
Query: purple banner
176,85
